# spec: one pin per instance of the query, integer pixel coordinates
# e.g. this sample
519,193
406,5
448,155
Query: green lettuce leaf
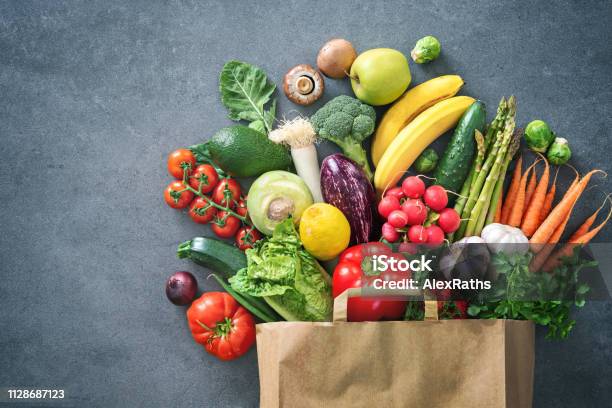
290,279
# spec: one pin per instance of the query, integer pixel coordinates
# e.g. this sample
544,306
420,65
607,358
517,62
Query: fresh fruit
246,237
388,204
398,219
379,76
178,161
177,196
324,231
244,152
389,232
417,234
449,220
227,193
457,158
205,177
225,225
221,325
415,210
415,137
413,187
181,288
435,197
201,211
241,207
411,104
336,57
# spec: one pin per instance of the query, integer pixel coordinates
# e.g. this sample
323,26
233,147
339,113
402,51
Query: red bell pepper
349,273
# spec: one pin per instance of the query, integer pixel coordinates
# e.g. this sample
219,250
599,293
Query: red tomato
246,237
179,160
349,274
225,225
221,325
201,211
227,193
205,176
177,196
241,207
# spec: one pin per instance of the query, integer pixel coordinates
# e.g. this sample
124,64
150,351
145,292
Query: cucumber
213,254
455,163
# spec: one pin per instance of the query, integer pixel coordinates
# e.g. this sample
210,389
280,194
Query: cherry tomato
221,325
204,175
395,192
416,211
179,160
435,235
176,196
227,193
413,187
398,219
389,232
241,207
201,211
435,197
417,234
449,220
246,237
225,225
388,204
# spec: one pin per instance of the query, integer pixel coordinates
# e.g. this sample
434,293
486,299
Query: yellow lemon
324,231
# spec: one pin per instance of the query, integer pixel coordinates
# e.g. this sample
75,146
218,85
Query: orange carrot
498,210
548,200
547,249
560,212
531,219
531,185
512,190
514,219
568,249
584,228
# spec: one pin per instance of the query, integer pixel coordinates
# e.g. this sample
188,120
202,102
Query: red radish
415,210
435,197
388,204
449,220
389,233
413,187
398,219
417,234
396,192
435,235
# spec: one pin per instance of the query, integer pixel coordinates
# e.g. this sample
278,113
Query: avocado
244,152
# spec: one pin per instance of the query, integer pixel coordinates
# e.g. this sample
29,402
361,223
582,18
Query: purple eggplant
345,186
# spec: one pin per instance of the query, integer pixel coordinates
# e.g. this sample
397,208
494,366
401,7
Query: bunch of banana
418,118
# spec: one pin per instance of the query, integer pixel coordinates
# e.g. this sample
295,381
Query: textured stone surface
94,96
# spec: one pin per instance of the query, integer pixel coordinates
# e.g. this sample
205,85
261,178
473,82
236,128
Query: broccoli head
346,122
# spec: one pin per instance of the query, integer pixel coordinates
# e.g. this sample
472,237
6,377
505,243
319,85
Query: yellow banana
415,137
406,108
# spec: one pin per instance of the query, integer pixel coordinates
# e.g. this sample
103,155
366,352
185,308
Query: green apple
380,76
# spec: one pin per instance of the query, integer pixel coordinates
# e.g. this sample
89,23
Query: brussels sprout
559,152
426,49
427,161
538,136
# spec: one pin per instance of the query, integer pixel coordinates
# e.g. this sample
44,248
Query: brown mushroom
303,84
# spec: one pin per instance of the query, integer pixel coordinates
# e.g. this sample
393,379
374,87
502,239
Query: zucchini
214,254
456,161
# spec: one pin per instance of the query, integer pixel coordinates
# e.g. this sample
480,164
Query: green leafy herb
245,90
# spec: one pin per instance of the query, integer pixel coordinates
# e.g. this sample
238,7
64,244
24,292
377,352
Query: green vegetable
426,50
455,163
288,278
224,260
538,136
347,122
275,196
541,297
245,90
559,152
427,161
244,152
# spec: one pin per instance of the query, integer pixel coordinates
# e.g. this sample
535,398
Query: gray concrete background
95,95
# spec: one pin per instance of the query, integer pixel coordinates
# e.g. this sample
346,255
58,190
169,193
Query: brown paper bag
445,363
